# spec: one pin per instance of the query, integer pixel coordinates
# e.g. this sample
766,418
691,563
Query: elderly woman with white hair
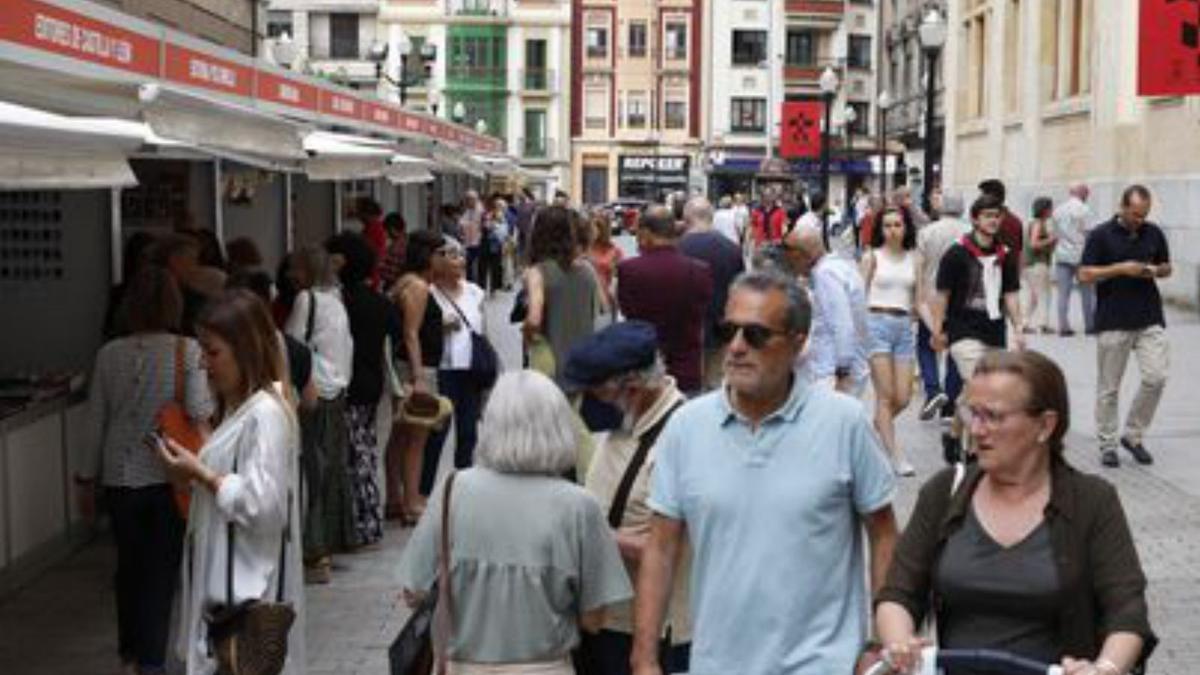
531,557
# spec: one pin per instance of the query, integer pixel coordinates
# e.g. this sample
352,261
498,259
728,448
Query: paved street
64,622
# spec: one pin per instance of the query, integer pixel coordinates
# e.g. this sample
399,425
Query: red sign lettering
286,91
49,28
197,69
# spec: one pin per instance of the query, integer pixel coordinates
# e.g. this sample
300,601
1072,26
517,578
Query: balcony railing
478,7
489,75
536,148
539,79
810,73
907,116
818,7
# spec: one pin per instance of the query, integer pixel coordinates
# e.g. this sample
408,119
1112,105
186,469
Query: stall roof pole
115,226
288,217
218,214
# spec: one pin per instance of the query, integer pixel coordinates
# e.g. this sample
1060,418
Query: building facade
1045,95
237,24
333,38
502,66
637,119
903,72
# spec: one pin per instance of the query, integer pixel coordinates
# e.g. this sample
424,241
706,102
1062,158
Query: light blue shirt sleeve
874,482
665,497
834,305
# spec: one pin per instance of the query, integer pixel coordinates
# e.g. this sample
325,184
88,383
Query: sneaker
319,572
933,404
903,467
951,449
1138,451
1109,458
1066,332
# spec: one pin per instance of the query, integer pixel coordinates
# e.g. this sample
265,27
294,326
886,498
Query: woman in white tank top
894,283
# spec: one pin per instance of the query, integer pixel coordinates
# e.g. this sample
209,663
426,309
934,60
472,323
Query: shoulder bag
251,638
174,423
412,652
485,363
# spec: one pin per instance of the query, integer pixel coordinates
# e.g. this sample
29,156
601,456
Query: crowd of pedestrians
683,477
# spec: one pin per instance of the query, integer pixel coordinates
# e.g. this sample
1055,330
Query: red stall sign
1169,48
333,103
800,134
197,69
285,91
46,27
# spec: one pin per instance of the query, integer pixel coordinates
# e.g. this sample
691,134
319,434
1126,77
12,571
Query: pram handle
987,660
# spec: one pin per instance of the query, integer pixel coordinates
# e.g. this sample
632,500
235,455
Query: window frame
753,108
343,47
643,49
812,47
757,46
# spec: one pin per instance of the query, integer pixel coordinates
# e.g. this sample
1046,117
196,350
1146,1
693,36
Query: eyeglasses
992,418
449,252
755,334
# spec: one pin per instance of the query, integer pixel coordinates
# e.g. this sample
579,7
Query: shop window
749,47
637,39
675,114
343,36
597,42
801,48
748,115
859,53
676,42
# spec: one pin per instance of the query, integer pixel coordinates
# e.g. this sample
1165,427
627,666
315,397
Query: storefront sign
1169,48
669,165
286,91
801,135
378,114
49,28
192,68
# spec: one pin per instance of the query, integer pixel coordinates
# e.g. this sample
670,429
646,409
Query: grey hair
766,279
648,375
527,427
725,202
698,210
952,204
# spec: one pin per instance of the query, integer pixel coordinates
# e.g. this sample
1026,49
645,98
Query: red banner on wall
800,134
1169,48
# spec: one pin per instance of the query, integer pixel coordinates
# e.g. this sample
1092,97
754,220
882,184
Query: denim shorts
890,335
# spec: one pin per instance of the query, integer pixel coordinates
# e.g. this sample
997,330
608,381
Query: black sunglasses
755,334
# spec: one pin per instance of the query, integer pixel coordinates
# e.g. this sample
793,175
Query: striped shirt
134,377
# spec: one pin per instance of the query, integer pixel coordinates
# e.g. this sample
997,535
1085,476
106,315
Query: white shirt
331,343
262,436
809,219
892,281
725,222
1072,222
456,354
933,241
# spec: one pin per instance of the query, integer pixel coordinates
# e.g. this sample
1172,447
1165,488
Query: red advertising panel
378,113
1169,48
333,103
197,69
46,27
800,134
286,91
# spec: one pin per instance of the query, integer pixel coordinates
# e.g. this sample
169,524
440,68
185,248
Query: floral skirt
361,462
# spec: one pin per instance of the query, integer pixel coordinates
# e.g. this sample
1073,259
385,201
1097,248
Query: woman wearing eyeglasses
891,274
1021,553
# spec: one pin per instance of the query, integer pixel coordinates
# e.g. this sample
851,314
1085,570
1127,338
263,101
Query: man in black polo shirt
978,284
1124,257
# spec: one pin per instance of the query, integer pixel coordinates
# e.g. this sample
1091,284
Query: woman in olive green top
532,558
1039,252
1024,554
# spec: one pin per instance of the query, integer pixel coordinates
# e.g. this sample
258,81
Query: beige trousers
966,354
1113,347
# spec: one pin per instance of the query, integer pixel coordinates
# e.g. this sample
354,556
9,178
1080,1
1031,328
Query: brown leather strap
445,616
180,345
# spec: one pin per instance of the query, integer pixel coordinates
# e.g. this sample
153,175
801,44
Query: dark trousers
491,267
473,263
928,362
461,388
149,535
609,653
328,518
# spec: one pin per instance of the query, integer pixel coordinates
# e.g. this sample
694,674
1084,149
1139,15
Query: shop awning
206,121
333,156
42,150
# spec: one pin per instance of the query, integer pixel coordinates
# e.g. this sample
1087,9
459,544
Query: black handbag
412,652
485,362
251,637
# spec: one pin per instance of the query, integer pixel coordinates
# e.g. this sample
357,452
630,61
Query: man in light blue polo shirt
772,480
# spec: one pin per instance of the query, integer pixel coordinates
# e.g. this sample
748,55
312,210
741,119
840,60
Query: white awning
42,150
210,122
345,157
409,177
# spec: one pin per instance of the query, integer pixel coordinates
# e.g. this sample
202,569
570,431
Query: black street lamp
933,38
829,86
849,117
379,53
885,102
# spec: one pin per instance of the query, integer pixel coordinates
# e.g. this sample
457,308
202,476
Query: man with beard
620,366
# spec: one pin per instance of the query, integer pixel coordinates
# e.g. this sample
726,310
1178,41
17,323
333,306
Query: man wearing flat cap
620,365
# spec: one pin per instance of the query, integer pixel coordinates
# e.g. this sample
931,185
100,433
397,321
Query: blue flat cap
620,348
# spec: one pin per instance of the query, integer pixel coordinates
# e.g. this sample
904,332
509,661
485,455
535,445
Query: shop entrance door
595,184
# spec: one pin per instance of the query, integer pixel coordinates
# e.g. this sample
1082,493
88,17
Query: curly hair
553,237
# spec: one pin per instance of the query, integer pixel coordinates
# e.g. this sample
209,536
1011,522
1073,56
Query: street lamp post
829,85
933,37
459,112
885,102
379,53
849,117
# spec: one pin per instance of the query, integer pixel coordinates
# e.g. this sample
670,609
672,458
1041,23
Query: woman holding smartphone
245,475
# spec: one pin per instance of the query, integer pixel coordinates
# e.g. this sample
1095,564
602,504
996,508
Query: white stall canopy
42,150
207,122
333,156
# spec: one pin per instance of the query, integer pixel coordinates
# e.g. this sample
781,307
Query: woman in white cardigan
246,474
